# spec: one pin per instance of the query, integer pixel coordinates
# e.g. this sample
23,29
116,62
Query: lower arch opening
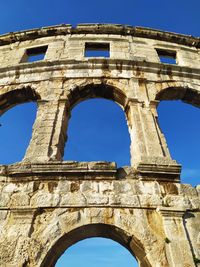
96,252
132,247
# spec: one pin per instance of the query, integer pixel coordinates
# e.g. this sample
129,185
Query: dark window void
98,131
35,54
97,252
179,122
97,50
166,56
15,132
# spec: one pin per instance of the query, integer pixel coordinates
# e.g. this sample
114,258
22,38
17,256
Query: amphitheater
47,204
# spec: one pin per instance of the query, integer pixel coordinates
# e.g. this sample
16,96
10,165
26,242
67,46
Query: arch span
95,230
93,90
87,91
17,96
186,94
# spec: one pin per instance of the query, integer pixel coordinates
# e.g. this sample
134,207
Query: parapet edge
99,28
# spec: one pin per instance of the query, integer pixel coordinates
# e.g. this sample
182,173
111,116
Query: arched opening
103,90
97,252
179,122
95,230
187,95
16,123
98,132
15,131
97,129
15,97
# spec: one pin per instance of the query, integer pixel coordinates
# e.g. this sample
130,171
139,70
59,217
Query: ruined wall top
115,29
122,42
131,74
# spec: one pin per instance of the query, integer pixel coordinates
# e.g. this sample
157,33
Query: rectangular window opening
97,50
167,56
35,54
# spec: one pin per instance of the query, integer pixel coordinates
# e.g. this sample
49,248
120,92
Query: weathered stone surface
46,204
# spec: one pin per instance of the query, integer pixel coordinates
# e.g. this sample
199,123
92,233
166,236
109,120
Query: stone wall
47,204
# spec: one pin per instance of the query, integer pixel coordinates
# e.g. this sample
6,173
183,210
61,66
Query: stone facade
47,204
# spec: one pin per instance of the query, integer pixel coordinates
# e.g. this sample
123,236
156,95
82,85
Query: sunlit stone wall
47,204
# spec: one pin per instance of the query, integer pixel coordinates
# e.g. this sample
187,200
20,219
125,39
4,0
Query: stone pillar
49,132
148,145
177,245
15,242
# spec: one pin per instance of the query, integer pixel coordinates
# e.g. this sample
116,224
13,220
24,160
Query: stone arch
105,90
187,94
95,90
55,232
95,230
17,96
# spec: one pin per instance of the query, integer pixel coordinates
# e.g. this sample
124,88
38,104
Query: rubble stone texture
47,204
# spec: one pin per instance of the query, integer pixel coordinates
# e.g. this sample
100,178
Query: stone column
161,138
177,245
15,243
49,132
148,145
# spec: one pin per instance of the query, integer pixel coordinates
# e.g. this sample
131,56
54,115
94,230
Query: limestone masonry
47,204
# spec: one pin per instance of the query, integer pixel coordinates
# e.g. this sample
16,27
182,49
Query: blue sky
105,252
179,122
